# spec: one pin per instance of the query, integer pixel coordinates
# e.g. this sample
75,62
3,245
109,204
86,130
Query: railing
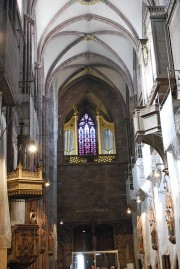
103,158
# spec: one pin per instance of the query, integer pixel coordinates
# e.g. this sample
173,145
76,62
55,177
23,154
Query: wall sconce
165,171
32,147
165,184
47,183
157,175
61,222
129,210
164,189
24,144
138,199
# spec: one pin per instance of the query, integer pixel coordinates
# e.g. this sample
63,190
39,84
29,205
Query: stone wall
92,193
88,188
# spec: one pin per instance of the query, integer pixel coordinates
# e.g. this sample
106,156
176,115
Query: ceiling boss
88,2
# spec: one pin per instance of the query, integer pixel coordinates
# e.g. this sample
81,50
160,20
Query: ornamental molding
157,12
170,10
23,183
24,248
154,12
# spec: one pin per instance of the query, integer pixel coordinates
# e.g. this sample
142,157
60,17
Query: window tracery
87,136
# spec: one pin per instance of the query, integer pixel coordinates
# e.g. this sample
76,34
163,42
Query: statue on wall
140,235
94,241
170,219
153,229
42,233
33,218
51,240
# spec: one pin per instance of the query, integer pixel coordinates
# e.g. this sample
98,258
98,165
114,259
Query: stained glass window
87,136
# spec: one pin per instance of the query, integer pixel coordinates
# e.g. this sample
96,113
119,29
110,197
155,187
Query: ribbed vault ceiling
95,37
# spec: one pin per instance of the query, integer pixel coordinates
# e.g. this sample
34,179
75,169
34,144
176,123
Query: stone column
3,258
0,102
17,212
3,251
